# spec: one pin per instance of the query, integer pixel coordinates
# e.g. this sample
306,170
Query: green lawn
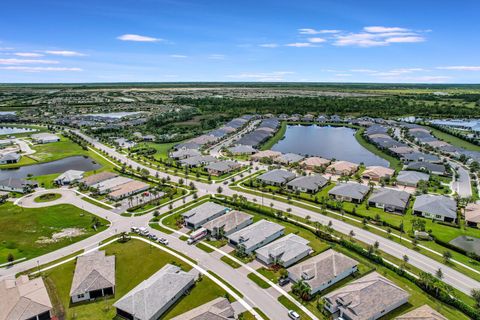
454,140
394,162
276,137
96,203
47,197
20,228
260,282
230,262
162,149
130,271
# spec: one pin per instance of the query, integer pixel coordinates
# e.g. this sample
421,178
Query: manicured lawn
204,247
130,271
47,197
277,137
20,228
261,283
98,204
230,262
454,140
57,150
162,149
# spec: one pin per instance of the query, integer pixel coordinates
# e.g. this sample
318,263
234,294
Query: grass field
20,228
47,197
277,137
130,271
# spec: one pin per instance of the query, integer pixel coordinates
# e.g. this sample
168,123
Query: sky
267,41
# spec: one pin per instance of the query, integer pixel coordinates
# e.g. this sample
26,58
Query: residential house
429,167
110,185
289,158
311,163
17,185
284,251
342,168
45,137
424,312
9,158
370,297
198,161
127,189
256,235
389,200
323,270
420,157
97,178
472,214
196,217
185,153
94,277
376,173
228,223
309,184
24,299
277,177
152,297
217,309
266,154
351,192
411,178
187,145
242,149
68,177
436,207
222,167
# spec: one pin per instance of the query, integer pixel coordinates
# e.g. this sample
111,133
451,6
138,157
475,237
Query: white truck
197,235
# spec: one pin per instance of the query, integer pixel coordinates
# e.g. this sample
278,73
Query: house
198,161
389,200
411,178
24,299
151,298
401,150
323,270
45,137
436,207
11,157
310,184
256,235
277,177
97,178
370,297
187,145
185,153
472,214
68,177
94,277
421,157
342,168
217,309
351,192
266,154
127,189
196,217
314,162
424,312
109,185
284,251
242,149
289,158
17,185
376,173
228,223
221,167
429,167
5,143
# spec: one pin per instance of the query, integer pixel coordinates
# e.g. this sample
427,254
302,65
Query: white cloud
39,69
65,53
313,31
299,44
28,54
138,38
380,29
461,68
262,76
178,56
411,39
316,40
359,40
343,75
216,56
13,61
363,70
268,45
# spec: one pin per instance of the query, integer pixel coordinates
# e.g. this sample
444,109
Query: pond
14,130
328,142
59,166
114,115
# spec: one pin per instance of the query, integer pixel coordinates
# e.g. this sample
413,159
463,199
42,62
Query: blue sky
156,40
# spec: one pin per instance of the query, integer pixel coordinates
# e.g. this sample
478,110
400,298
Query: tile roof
93,271
438,205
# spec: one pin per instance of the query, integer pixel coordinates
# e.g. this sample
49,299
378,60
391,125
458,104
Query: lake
114,115
14,130
59,166
328,142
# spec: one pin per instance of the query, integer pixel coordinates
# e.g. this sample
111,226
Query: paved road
462,184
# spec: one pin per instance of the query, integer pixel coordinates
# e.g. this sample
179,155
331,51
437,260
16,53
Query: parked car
293,315
163,241
153,237
134,229
283,281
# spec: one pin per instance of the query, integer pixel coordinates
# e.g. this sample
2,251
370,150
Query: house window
80,296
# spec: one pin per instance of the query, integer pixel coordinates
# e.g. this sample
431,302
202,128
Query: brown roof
99,177
315,162
424,312
343,166
378,171
128,187
472,213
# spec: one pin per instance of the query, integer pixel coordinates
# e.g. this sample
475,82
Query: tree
405,258
351,234
447,255
302,290
10,258
376,245
439,273
219,189
476,296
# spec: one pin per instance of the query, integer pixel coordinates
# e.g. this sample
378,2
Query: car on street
163,241
283,281
134,229
153,237
293,315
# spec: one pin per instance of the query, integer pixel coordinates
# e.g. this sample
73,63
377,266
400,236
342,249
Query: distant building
289,158
242,149
45,137
127,189
222,167
9,158
17,185
97,178
314,162
68,177
265,154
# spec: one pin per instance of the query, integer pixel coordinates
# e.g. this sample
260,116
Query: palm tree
302,289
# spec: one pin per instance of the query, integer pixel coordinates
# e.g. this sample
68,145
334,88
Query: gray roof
308,182
242,149
323,267
217,309
17,183
367,296
10,156
151,295
255,233
93,271
412,177
187,145
390,197
277,176
185,153
286,248
228,221
419,156
438,205
202,212
351,190
222,166
194,161
431,167
290,158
